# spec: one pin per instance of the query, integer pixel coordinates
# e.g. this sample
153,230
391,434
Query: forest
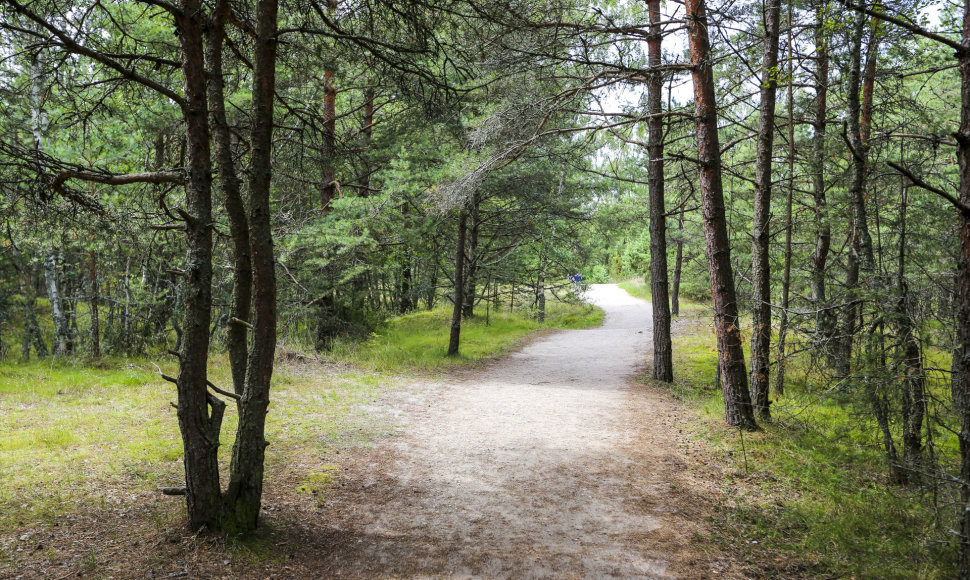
206,196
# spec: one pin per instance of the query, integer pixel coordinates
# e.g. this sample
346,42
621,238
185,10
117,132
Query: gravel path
539,466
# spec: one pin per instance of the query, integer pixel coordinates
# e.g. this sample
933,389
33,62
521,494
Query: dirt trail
549,463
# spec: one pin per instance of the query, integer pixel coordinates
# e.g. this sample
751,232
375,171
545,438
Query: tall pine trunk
663,369
786,272
824,319
734,380
760,265
245,490
200,429
328,185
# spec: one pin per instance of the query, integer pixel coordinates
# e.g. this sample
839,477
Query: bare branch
957,203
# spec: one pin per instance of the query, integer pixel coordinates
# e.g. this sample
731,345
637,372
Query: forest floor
550,462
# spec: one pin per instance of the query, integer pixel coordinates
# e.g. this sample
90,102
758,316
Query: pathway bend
549,463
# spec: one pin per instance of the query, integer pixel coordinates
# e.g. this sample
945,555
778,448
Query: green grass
67,425
77,433
812,498
420,341
637,288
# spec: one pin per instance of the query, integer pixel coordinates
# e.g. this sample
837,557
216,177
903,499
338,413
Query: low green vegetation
419,341
640,289
809,496
78,432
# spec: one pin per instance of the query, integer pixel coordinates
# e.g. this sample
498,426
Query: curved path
549,463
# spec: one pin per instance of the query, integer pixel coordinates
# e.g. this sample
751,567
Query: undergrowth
809,495
419,341
79,433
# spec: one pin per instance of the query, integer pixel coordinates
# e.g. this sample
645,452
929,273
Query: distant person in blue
576,279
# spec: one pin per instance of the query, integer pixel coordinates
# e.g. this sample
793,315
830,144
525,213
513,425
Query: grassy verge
420,341
637,288
78,434
808,496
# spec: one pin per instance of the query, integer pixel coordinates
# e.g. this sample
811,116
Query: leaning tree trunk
663,368
760,265
734,381
455,338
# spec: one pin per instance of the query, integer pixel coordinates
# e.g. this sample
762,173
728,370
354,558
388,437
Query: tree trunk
64,343
245,490
663,367
199,429
734,381
914,382
406,302
786,272
32,334
760,265
240,306
825,320
328,186
541,294
678,267
861,258
95,303
459,286
367,133
963,296
471,268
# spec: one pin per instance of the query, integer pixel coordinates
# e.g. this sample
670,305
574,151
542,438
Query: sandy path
546,464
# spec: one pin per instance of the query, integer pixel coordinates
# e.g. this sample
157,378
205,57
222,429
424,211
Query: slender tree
663,369
760,264
734,380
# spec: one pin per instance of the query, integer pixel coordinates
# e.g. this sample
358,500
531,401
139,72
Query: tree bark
245,489
95,302
678,267
760,265
64,343
328,186
663,368
734,381
455,338
471,268
237,332
824,321
963,296
199,429
914,382
32,334
786,272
